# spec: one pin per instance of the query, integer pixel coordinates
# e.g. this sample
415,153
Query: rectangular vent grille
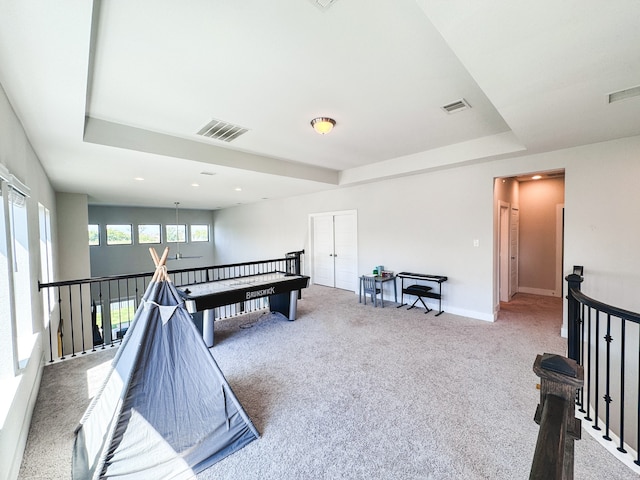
456,106
220,130
624,94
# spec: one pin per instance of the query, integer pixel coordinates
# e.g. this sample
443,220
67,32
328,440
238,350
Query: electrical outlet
476,243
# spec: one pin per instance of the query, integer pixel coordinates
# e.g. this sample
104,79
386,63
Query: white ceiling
112,90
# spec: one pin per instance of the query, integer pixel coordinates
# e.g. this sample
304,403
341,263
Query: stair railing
605,340
88,314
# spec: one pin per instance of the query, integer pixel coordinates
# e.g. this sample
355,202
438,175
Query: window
16,322
46,260
199,233
19,253
94,235
6,343
148,233
176,233
119,235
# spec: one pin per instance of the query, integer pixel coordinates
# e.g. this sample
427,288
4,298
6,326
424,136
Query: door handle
331,254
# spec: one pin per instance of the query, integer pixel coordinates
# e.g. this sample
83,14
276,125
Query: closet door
345,251
335,256
323,265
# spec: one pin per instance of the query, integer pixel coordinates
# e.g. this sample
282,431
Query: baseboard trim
487,317
538,291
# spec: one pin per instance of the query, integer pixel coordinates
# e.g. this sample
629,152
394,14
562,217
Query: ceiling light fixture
323,125
536,177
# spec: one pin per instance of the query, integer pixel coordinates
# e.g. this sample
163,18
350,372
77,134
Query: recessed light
195,184
139,179
536,177
238,189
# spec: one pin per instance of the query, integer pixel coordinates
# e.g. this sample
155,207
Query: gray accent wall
121,259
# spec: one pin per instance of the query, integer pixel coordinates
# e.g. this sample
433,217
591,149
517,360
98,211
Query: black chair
369,287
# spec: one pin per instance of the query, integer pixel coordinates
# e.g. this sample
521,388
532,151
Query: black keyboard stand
422,291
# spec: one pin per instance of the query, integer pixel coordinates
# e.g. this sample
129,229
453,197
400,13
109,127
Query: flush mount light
536,177
323,125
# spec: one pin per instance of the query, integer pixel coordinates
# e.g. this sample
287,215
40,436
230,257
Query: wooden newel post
560,377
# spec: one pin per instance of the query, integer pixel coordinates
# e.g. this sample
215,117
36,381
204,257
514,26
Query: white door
504,273
323,265
335,250
344,256
513,251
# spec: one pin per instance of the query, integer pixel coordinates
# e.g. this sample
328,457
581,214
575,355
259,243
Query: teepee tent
165,410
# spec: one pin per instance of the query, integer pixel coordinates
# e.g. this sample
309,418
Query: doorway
529,231
334,249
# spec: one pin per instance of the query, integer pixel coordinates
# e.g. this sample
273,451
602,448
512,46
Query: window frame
112,225
140,242
169,237
194,239
97,225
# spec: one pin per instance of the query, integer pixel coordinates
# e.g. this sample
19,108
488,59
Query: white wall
418,223
21,392
427,223
539,201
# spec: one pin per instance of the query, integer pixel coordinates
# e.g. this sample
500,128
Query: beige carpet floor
349,391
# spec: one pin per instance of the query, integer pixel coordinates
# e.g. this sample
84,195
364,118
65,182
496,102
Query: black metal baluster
581,389
101,312
73,343
128,299
49,324
607,392
589,370
60,324
110,313
119,310
84,349
637,460
94,322
597,374
622,371
136,300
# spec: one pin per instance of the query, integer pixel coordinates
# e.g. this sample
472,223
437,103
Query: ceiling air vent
457,106
323,4
219,130
624,94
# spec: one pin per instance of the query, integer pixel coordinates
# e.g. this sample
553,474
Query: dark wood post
560,377
573,312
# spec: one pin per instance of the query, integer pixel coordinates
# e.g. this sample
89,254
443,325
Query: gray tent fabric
165,411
